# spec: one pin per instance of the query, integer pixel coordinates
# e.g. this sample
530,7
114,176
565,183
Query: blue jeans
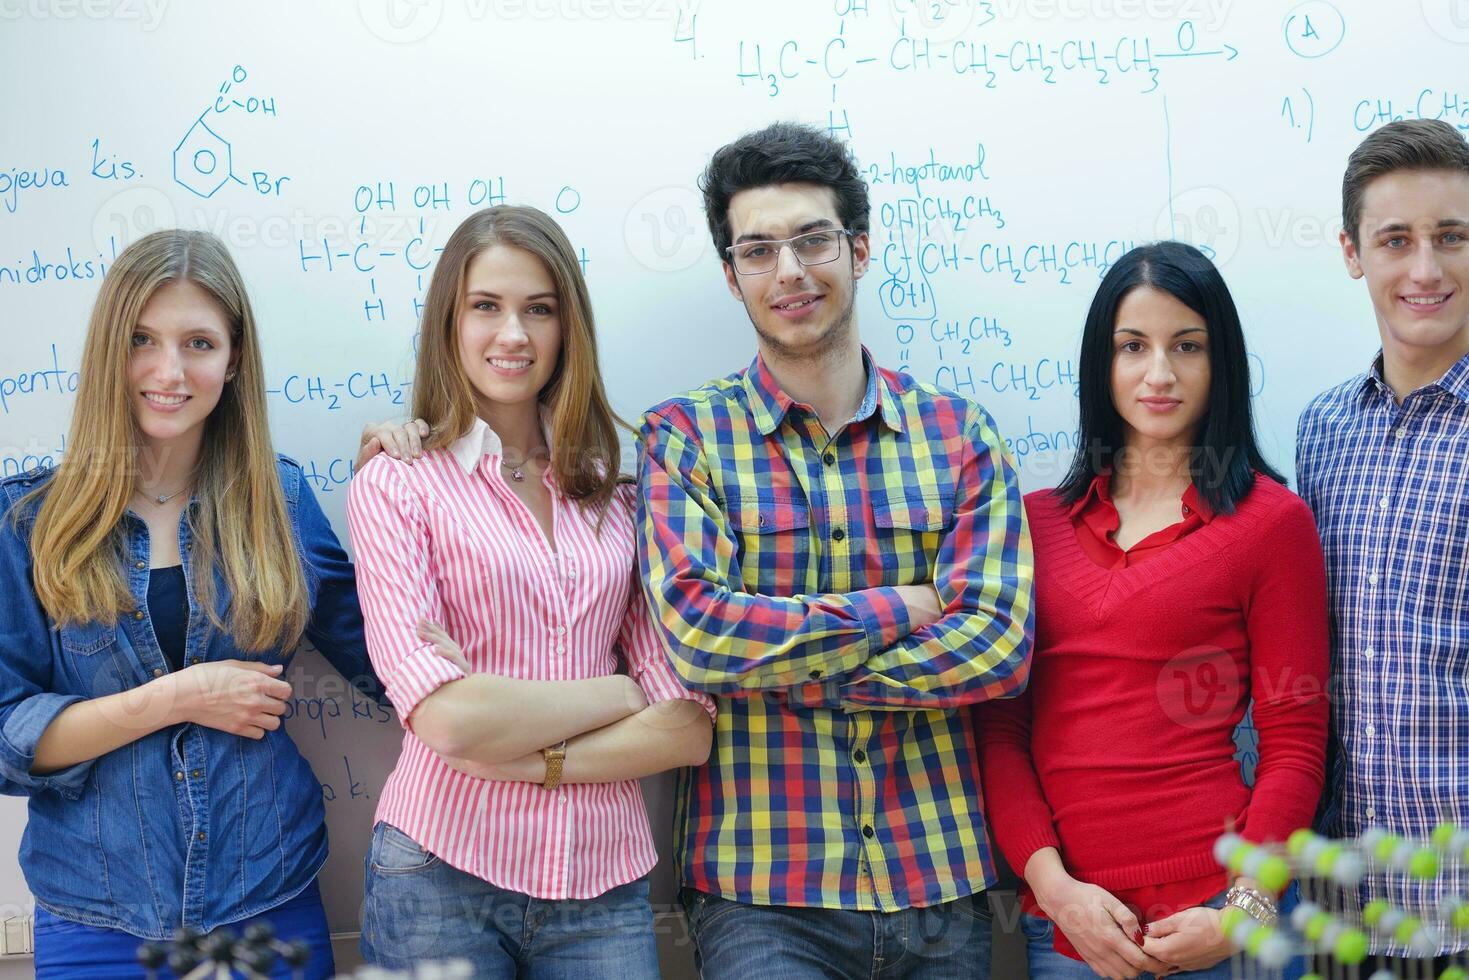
418,908
67,950
1047,964
733,941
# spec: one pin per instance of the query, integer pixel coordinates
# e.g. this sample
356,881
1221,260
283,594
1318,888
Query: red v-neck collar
1102,589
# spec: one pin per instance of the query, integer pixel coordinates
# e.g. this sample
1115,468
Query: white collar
481,441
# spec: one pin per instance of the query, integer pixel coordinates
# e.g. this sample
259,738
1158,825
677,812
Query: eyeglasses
812,248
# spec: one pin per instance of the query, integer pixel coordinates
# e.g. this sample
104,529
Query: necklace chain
163,498
517,471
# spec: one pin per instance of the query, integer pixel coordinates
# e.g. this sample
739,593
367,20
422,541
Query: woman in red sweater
1176,579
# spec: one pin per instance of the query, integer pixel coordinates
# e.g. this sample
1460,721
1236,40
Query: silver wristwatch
1254,903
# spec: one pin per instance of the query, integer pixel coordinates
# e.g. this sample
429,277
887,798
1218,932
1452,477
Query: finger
259,666
1159,928
1126,921
1144,958
272,707
453,655
277,689
392,435
253,731
269,723
415,442
423,428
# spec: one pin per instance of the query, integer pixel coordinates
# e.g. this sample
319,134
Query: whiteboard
1014,148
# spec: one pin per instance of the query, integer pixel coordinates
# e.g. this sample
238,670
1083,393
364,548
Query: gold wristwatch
555,756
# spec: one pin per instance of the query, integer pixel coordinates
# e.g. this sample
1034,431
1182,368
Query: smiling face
181,353
1413,251
509,328
1160,368
799,312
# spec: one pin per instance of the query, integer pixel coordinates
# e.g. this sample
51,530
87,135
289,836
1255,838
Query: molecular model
221,955
1330,926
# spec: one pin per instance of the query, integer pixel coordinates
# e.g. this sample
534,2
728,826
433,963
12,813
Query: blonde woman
512,831
152,589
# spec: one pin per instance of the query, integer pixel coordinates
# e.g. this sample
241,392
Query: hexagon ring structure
201,162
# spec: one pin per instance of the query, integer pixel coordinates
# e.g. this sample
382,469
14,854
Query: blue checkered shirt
1389,484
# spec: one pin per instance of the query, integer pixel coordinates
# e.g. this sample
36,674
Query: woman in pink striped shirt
512,831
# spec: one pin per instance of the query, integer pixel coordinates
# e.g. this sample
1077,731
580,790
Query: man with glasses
839,554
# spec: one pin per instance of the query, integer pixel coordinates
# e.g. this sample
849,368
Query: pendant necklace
517,471
164,498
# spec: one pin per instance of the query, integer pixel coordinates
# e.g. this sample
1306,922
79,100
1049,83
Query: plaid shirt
843,774
1389,484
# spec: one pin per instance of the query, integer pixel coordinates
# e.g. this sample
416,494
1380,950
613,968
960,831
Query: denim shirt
189,825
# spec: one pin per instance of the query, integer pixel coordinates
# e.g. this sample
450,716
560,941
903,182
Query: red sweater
1140,676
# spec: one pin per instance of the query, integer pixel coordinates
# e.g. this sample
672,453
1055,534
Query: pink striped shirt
446,539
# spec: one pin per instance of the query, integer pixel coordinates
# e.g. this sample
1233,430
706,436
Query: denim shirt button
157,671
140,565
138,615
196,773
179,775
201,835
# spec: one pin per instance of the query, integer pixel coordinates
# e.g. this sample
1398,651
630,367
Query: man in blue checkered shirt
1383,460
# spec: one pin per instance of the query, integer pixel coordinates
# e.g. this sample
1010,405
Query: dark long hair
1227,456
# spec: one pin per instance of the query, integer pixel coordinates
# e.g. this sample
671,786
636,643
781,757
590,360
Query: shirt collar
1455,380
1100,492
1097,492
481,441
769,404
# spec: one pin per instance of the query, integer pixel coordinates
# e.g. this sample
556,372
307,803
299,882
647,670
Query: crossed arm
618,727
870,649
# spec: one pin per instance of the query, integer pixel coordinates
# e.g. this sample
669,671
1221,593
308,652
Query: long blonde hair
585,453
239,524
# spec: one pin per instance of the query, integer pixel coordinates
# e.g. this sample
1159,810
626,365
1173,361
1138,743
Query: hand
637,698
527,769
400,440
924,605
1189,940
1104,930
242,697
443,644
